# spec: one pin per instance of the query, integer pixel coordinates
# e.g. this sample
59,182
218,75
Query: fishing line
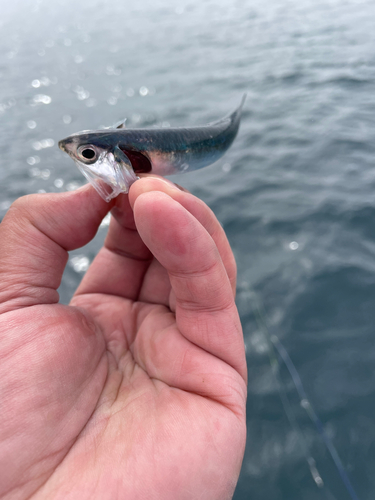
277,351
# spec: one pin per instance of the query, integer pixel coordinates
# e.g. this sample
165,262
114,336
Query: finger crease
128,255
194,274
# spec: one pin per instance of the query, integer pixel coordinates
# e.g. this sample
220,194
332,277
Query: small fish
111,159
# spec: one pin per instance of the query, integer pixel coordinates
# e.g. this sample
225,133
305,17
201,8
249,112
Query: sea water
295,193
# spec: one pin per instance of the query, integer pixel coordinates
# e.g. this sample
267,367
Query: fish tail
233,116
242,101
238,111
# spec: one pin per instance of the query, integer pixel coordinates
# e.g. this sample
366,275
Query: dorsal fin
121,124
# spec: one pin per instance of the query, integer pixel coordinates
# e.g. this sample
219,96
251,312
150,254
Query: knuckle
22,206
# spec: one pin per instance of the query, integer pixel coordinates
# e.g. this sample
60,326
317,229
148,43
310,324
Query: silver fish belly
111,159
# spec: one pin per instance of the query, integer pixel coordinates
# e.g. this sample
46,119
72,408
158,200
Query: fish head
101,161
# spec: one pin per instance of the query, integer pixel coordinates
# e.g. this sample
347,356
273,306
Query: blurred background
295,193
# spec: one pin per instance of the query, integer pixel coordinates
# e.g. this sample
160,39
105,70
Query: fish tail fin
233,116
242,101
236,114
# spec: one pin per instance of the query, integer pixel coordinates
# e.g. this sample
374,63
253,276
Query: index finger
35,236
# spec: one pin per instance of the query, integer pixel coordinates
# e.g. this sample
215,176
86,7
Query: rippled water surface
295,193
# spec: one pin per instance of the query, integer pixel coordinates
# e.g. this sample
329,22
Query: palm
135,404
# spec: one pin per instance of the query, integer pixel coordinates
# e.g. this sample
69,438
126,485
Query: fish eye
87,153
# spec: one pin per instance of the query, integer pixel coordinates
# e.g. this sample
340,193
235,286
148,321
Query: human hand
136,389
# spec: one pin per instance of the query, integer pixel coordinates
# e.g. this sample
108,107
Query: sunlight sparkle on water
112,70
40,174
72,186
117,88
41,99
45,174
47,143
31,124
112,100
33,160
34,172
81,93
105,222
43,144
80,263
58,183
43,82
4,106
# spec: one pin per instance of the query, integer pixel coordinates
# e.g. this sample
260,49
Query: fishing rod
277,351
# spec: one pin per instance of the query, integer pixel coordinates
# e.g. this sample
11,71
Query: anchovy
111,158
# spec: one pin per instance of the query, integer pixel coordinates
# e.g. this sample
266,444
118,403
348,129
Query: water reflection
80,263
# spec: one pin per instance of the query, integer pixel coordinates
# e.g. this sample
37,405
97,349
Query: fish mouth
67,145
61,145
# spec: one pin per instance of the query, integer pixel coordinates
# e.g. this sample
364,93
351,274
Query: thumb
35,236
